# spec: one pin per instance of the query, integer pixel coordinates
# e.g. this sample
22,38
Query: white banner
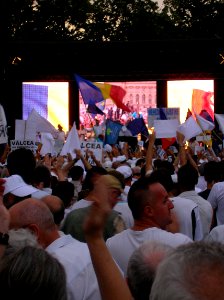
95,147
15,144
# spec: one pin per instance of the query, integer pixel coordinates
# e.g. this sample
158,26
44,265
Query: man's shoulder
117,237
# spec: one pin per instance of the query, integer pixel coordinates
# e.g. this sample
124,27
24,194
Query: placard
28,144
95,147
170,113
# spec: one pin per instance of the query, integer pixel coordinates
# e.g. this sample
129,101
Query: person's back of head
165,164
142,267
191,272
91,176
32,273
76,173
187,177
163,176
30,212
65,191
56,206
211,172
22,162
138,196
19,238
41,177
140,162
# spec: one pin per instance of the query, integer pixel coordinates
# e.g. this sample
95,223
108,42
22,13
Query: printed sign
170,113
28,144
95,147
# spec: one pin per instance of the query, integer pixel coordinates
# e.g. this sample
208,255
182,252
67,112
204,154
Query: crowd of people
136,225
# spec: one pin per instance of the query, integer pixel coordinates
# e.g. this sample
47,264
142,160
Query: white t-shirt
75,258
183,209
216,198
123,208
122,245
216,234
81,204
205,210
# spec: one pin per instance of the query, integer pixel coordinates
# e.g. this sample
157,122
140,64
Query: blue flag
90,92
112,131
137,126
93,109
101,105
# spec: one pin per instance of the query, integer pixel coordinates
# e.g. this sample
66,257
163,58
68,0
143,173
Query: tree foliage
197,18
112,20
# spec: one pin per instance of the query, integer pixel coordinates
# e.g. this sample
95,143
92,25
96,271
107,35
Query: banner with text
95,147
155,114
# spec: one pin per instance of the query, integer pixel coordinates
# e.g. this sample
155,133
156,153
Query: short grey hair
21,237
142,267
191,272
32,273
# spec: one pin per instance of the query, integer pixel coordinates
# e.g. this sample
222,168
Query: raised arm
111,282
149,153
182,153
85,162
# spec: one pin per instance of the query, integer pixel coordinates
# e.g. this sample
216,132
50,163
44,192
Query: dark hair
138,196
211,171
76,172
165,164
42,174
88,182
187,177
139,162
22,162
162,176
65,191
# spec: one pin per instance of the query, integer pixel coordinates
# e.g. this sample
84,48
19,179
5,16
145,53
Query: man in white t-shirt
216,199
187,179
151,209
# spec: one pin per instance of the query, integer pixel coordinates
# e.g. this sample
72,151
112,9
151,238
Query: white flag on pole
3,126
220,120
204,124
41,124
72,142
189,128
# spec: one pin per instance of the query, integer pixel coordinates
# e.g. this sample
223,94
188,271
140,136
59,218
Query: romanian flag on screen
97,92
202,100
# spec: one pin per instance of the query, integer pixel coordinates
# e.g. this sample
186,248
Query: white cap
125,170
108,148
121,158
15,185
107,164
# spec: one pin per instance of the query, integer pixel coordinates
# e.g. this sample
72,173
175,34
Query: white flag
41,124
189,128
220,121
3,126
204,124
47,142
72,142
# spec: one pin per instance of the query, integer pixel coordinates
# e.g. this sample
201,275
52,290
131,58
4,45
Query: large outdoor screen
49,99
